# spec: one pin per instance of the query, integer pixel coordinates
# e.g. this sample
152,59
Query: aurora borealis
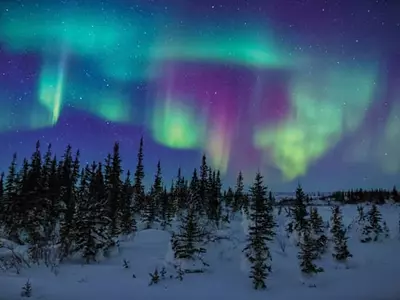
301,90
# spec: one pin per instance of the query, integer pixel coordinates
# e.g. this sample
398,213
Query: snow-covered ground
373,273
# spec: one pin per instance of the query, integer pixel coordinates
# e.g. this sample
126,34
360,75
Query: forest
57,203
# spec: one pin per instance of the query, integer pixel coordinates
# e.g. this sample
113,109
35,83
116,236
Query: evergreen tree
360,222
100,212
395,195
180,192
306,255
166,208
84,241
335,220
69,176
149,212
2,201
12,214
194,194
318,230
316,221
46,182
299,214
372,230
239,195
157,189
246,204
187,244
114,188
360,214
341,251
203,182
375,221
194,183
138,185
214,198
35,199
261,231
271,198
91,221
54,192
153,200
127,220
229,197
18,212
300,211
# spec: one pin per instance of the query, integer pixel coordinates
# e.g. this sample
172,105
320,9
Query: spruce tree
375,221
360,223
166,208
157,187
203,181
229,197
318,230
114,187
246,204
316,221
138,185
306,255
261,232
46,180
299,214
194,194
91,220
148,216
21,205
335,220
84,240
300,211
153,200
2,201
271,198
188,242
372,230
127,219
395,194
10,198
360,214
100,212
214,200
239,194
180,192
341,251
36,201
69,176
54,190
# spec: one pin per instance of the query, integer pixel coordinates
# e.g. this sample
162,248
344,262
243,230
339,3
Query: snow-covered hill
372,274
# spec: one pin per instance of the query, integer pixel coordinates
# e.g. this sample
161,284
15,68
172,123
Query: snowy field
372,274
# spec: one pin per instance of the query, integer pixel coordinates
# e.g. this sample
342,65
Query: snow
372,274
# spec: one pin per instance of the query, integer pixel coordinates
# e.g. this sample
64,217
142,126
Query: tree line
50,201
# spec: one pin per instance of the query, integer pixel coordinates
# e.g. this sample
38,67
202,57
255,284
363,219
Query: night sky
302,90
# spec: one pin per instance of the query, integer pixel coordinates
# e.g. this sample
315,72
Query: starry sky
303,90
